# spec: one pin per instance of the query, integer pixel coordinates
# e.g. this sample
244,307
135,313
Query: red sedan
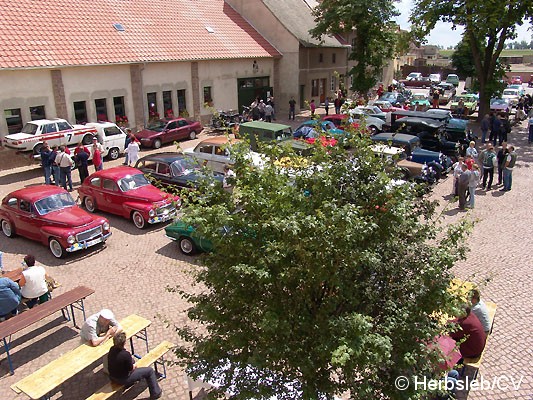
125,191
167,131
50,215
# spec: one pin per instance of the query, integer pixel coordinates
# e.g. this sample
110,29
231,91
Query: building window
120,109
101,109
314,87
182,103
80,112
167,104
208,97
333,85
321,58
14,120
151,99
37,112
334,58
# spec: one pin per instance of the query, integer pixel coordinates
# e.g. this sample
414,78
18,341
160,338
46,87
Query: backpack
488,159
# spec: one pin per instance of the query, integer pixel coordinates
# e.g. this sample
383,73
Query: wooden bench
475,363
152,357
73,299
43,381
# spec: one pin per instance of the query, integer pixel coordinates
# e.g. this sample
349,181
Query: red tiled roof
49,33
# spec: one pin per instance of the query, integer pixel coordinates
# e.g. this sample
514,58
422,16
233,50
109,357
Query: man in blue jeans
46,162
122,368
510,162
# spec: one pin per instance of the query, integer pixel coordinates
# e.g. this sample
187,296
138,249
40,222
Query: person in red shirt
469,161
81,147
97,156
471,329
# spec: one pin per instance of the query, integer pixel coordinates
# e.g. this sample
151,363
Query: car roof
265,125
34,193
421,121
218,140
421,114
115,173
395,137
168,157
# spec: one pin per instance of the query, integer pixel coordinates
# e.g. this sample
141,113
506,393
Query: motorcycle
225,120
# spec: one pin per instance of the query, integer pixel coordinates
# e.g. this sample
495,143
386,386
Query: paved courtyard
131,274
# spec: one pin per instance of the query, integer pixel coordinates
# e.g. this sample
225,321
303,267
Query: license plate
93,242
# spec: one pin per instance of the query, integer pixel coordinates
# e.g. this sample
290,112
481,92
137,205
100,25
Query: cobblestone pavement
131,272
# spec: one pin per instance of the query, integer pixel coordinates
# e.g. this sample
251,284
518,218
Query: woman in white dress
133,152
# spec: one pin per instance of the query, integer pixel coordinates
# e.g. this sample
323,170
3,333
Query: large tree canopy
375,34
488,24
324,281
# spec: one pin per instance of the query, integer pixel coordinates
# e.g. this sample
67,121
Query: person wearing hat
99,327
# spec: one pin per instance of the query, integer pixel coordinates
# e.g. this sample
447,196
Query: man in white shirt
65,168
99,327
35,289
480,310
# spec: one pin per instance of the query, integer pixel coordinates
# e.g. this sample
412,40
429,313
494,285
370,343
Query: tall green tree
375,35
324,281
488,24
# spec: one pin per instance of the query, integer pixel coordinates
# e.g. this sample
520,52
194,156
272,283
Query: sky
443,34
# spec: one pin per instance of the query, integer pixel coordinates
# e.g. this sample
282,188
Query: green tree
324,282
487,24
375,35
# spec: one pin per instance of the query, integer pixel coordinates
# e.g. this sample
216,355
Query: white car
512,95
414,75
435,78
111,137
373,123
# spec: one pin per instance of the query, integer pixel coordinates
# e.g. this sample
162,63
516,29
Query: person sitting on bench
122,368
471,329
9,298
480,310
35,289
99,327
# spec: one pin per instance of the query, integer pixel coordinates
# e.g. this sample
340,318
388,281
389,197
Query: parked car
393,98
56,132
215,153
175,169
306,129
397,155
520,88
111,137
447,91
453,79
516,80
372,123
411,145
512,95
500,105
189,241
259,131
435,78
385,106
420,82
373,111
125,191
164,131
414,75
421,101
469,100
49,214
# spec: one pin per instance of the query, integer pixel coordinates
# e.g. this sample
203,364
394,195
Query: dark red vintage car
50,215
167,131
127,192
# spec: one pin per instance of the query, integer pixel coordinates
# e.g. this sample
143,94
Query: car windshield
327,125
498,101
131,182
185,166
54,202
157,126
510,92
29,128
419,97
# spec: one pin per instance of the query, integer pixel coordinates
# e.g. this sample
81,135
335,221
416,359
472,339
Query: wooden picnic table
15,275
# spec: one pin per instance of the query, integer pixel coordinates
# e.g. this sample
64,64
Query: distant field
508,53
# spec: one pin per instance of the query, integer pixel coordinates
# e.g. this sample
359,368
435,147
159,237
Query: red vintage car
127,192
167,131
50,215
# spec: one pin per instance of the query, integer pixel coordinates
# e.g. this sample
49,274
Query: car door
204,153
26,222
184,129
112,196
170,133
220,158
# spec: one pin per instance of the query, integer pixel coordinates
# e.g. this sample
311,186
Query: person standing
82,161
312,106
496,131
457,171
271,102
261,107
268,112
462,186
127,141
471,150
510,162
506,129
35,288
65,168
122,368
488,157
436,98
337,103
97,157
485,125
292,108
472,184
501,156
326,105
46,162
530,134
55,166
132,152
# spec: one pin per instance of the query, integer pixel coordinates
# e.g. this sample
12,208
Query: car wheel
89,204
7,228
87,140
192,135
138,220
114,153
37,149
187,246
55,248
157,144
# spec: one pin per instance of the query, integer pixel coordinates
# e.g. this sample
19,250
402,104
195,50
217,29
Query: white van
111,137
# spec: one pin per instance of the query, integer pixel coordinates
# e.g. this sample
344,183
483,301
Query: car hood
71,216
146,133
148,193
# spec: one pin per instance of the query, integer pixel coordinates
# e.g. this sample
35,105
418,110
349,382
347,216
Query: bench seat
155,354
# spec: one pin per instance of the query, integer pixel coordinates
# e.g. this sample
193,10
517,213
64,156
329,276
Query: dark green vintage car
189,241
